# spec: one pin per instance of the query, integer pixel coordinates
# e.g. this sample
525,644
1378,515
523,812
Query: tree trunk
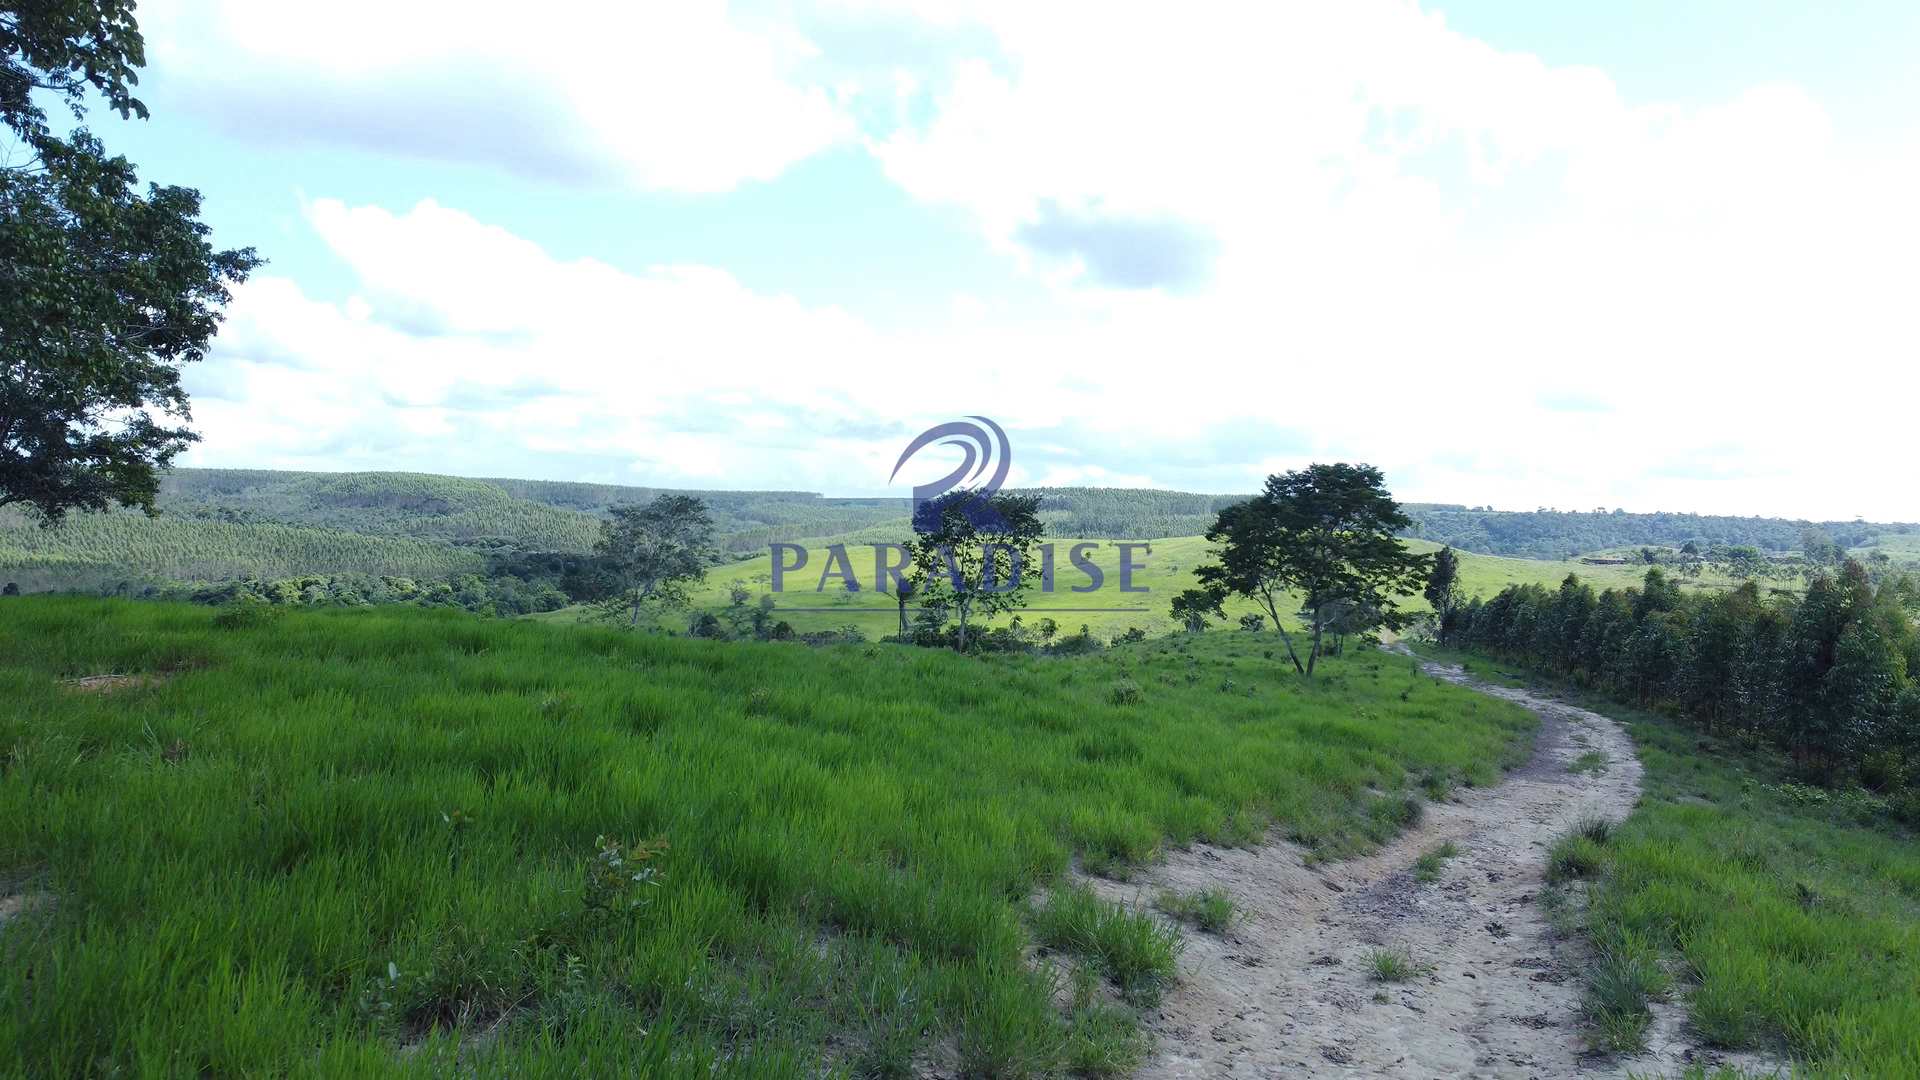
1285,638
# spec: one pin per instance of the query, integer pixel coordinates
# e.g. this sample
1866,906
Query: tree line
1557,534
1831,676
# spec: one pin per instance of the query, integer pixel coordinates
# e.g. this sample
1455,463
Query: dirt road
1289,990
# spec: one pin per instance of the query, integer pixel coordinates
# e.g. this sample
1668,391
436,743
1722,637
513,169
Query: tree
1327,533
1443,583
104,291
1193,607
654,550
973,554
1818,546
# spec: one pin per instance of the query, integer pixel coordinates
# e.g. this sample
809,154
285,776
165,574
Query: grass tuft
1391,965
1593,761
1623,978
1575,856
1210,909
1102,1039
1426,869
1135,952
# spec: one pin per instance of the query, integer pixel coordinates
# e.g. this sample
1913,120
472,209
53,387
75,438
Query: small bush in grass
619,875
246,615
1124,692
1135,952
1391,965
1211,910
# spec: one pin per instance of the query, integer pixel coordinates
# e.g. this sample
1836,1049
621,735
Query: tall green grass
1792,925
376,841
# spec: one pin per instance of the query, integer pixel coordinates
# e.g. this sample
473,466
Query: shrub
245,615
619,875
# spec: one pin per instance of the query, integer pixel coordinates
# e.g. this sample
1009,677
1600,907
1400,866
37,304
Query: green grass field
1167,568
1790,915
342,842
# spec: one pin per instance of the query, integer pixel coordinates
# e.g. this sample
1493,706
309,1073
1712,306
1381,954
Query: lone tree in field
974,555
654,551
1194,607
1443,584
1327,534
104,290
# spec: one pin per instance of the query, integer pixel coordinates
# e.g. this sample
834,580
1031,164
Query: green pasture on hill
1167,567
377,841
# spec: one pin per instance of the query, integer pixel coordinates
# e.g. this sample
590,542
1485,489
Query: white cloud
1427,253
681,96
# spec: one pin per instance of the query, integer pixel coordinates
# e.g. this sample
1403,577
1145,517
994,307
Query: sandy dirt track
1287,991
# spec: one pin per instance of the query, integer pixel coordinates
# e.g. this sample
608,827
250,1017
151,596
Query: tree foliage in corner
1326,534
104,291
654,551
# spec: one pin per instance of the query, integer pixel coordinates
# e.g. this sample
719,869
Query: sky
1640,254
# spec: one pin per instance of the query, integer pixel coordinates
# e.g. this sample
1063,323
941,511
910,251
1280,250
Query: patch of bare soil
1290,990
12,907
107,684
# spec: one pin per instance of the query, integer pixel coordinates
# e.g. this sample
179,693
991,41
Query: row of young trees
1831,676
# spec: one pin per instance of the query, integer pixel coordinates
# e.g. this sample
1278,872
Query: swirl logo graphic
987,454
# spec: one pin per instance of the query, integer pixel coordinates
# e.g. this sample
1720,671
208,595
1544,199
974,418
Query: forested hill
537,515
225,524
1557,534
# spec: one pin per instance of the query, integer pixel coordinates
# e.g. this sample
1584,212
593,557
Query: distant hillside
219,525
1556,534
528,515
